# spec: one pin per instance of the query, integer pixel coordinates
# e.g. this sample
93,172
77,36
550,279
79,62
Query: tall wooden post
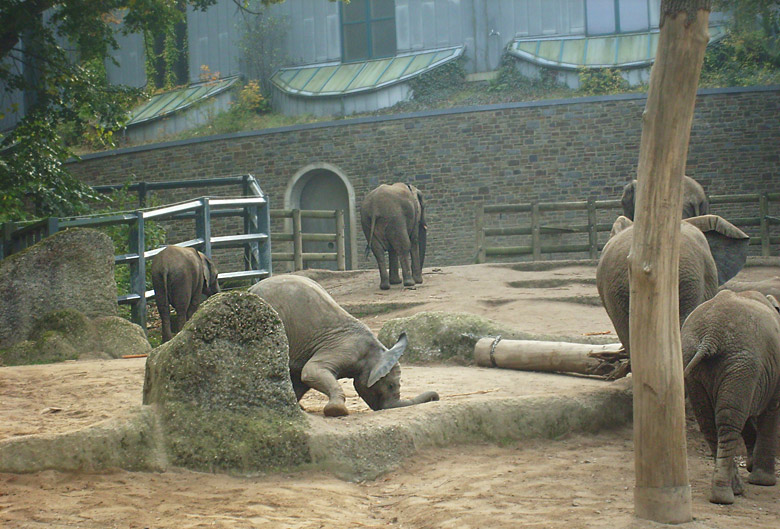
662,490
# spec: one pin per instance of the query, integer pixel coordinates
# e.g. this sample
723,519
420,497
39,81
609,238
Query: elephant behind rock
327,343
694,203
712,251
393,220
731,350
180,277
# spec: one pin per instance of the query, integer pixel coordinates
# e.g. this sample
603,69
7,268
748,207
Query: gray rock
73,269
223,391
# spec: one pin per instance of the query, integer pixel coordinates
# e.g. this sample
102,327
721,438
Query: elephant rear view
694,204
180,276
393,220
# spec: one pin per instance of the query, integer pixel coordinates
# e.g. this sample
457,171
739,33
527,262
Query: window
606,17
368,29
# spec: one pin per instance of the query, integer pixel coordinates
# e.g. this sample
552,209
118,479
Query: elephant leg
165,320
379,254
730,417
299,387
392,257
191,310
763,468
316,375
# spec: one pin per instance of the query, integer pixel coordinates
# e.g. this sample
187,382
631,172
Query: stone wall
558,150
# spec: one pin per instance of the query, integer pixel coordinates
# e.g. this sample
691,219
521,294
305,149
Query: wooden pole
479,221
763,207
536,232
341,256
662,490
297,240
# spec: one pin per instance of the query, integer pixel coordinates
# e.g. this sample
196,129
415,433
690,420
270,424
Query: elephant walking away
695,202
327,343
180,277
712,251
393,220
731,350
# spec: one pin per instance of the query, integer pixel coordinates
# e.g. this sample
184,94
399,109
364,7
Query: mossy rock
69,335
449,337
222,388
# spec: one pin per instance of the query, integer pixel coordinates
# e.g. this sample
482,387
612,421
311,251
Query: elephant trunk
427,396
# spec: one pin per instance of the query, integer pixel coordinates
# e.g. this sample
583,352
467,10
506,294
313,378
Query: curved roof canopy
335,79
161,105
631,50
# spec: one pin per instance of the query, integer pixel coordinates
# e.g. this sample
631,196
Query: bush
602,81
251,99
440,81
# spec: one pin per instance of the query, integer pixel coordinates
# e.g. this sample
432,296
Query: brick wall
549,151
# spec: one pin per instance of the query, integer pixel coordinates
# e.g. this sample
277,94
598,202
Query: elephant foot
736,484
384,286
335,409
418,279
762,477
722,494
409,282
395,280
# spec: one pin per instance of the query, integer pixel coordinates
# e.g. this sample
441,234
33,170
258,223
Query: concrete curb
356,451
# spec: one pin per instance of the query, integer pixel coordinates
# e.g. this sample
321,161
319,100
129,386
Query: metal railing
298,257
540,233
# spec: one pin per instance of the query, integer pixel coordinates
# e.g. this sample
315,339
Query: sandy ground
579,481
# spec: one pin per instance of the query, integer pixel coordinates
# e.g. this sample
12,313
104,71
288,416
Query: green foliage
439,82
261,35
602,81
509,79
250,99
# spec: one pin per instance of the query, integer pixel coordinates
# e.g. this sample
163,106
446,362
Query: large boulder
449,337
223,392
72,269
69,335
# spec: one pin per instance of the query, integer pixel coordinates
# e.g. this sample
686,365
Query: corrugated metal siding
213,38
11,104
130,56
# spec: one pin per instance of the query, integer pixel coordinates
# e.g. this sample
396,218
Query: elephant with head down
327,343
712,251
694,203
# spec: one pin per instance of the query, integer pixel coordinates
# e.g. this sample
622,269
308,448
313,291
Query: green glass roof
631,50
169,102
347,78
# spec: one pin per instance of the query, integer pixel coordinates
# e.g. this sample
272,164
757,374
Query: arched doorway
323,186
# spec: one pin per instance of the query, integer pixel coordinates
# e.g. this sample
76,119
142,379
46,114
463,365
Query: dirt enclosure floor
576,481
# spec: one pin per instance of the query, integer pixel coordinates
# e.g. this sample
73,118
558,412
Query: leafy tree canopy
53,52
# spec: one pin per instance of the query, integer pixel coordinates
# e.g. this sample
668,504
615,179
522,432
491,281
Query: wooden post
593,240
297,240
763,207
479,224
340,246
536,243
662,492
136,245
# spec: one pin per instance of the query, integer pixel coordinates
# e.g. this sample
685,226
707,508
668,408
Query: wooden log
662,491
562,357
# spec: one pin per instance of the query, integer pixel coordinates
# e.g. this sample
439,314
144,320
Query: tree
662,490
54,51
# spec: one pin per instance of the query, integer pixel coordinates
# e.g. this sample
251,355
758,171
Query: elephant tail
705,350
370,236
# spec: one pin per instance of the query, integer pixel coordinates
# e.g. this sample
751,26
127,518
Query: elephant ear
627,200
388,360
728,244
773,301
620,224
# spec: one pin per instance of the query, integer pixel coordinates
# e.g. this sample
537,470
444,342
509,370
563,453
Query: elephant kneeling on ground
393,220
327,343
712,251
731,350
180,277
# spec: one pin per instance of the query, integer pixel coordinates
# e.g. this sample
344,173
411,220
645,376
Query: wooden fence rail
539,233
298,257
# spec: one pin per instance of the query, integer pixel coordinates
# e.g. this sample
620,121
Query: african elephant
393,219
180,276
731,350
768,287
327,343
695,202
712,251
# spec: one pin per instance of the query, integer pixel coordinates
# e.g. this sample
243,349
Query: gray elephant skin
393,220
327,343
695,202
731,350
181,276
712,251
